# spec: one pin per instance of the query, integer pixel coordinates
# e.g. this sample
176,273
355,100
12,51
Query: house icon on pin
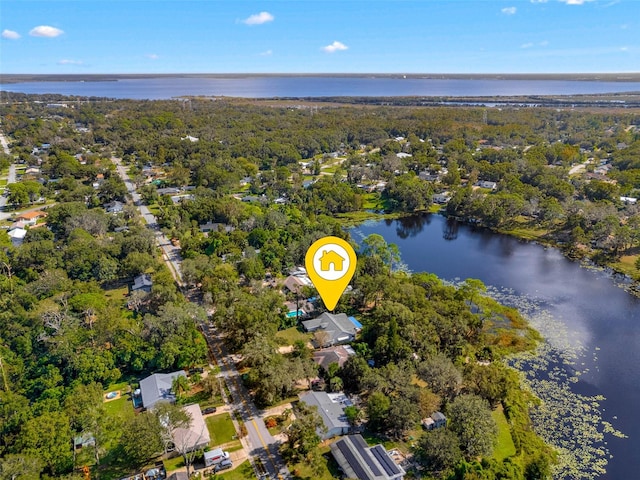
331,258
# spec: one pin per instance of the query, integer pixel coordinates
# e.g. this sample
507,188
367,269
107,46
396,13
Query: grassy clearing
174,463
626,265
292,335
504,447
373,201
303,471
242,472
352,219
221,429
117,293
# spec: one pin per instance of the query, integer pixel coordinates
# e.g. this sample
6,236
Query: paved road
261,443
171,253
12,174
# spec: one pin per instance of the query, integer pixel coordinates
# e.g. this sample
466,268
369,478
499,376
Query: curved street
259,443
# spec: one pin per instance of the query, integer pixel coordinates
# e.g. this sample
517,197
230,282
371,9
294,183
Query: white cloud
509,10
539,1
543,43
152,56
45,31
10,34
266,53
575,2
334,47
66,61
258,18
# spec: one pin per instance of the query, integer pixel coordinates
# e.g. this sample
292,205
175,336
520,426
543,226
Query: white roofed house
195,436
331,410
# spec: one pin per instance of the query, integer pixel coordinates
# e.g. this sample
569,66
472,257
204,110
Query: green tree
441,375
438,450
48,438
141,438
302,434
378,406
20,467
470,418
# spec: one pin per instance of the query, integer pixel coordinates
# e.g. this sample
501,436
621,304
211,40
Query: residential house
168,191
337,354
331,410
143,283
436,420
157,387
295,283
215,227
196,435
440,198
427,176
31,218
358,460
114,207
178,476
487,184
17,236
337,329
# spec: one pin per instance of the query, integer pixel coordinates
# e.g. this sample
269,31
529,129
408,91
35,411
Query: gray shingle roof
157,387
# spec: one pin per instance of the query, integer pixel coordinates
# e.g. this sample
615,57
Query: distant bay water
158,88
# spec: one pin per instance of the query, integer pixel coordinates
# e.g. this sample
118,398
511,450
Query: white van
214,457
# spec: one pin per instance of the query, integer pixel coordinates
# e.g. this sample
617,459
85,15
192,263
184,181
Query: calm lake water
309,86
579,309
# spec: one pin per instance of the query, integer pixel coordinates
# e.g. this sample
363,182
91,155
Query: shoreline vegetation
244,188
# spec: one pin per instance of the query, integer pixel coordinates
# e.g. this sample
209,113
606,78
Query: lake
321,86
591,324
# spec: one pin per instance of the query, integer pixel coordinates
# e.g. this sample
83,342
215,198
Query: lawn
626,265
221,429
243,472
303,471
504,446
292,335
117,293
174,463
373,201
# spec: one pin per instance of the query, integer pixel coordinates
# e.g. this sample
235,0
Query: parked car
209,410
223,465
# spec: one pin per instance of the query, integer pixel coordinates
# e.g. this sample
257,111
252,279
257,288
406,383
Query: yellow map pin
331,263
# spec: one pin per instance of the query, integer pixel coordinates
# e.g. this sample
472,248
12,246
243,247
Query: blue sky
347,36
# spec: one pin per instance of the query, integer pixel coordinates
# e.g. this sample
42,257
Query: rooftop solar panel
389,465
360,472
